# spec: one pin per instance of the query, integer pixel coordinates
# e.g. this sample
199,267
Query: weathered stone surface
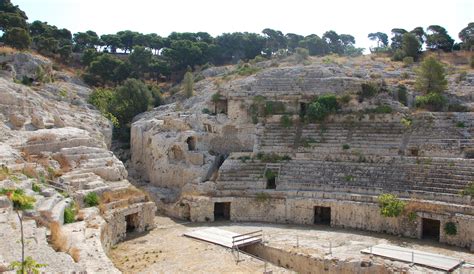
17,120
30,66
37,121
5,202
57,135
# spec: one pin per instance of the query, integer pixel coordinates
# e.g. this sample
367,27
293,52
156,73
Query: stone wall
344,214
116,229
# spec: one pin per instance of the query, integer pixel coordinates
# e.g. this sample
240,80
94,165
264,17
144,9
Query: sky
357,18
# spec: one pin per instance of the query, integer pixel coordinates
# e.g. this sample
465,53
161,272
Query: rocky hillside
55,147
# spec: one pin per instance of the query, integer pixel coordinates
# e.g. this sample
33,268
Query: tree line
111,60
155,56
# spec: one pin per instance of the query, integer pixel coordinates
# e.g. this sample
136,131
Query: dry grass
81,159
7,50
459,58
30,171
40,159
57,238
121,198
75,254
63,162
43,220
94,226
111,196
102,208
4,172
415,205
80,215
41,138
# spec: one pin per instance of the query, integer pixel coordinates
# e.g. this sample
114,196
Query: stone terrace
436,135
430,178
299,81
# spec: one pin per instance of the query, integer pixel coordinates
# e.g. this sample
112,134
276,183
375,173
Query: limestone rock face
49,106
37,121
29,66
17,120
49,132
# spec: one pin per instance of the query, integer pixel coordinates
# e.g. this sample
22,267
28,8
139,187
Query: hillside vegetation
157,63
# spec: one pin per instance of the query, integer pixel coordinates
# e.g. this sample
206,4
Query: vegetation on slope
107,61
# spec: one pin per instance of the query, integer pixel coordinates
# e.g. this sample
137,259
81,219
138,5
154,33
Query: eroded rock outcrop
54,146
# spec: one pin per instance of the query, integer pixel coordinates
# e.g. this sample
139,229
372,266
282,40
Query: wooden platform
225,238
414,256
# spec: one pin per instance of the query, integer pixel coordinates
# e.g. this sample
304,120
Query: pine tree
431,77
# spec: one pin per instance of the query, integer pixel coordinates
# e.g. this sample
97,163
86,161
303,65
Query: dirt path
165,250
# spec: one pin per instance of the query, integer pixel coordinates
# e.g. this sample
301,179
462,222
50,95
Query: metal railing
246,239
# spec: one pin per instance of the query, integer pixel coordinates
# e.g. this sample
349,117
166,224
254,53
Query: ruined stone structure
333,171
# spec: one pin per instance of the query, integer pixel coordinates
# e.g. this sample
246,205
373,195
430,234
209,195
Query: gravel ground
165,250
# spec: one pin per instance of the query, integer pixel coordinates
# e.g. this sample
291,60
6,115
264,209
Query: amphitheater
224,158
328,173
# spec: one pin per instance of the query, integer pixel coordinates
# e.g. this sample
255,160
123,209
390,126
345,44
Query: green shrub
402,95
450,228
26,81
411,216
469,190
457,108
262,197
329,101
380,109
368,90
69,214
390,205
258,59
317,111
20,200
408,61
406,122
286,121
301,54
286,158
270,175
346,146
460,125
206,111
28,266
320,108
398,55
431,77
272,157
246,70
91,199
272,107
198,78
257,108
462,76
348,178
188,83
432,101
244,159
345,99
36,188
102,99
